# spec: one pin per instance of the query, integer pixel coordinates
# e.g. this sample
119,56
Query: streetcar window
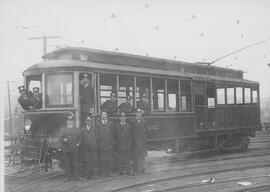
239,95
158,86
247,95
210,92
126,88
172,90
185,87
59,89
107,86
221,96
33,81
254,96
142,88
230,95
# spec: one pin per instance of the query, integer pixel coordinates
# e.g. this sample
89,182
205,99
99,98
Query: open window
158,88
34,81
126,88
185,98
107,86
143,92
172,97
210,94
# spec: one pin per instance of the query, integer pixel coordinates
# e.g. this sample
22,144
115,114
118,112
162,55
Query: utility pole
10,110
44,38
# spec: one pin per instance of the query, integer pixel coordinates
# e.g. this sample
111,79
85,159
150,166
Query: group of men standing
106,147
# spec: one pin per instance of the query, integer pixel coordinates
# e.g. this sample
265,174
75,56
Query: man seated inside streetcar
25,98
110,106
37,98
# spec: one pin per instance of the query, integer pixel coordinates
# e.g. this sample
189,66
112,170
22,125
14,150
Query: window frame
47,105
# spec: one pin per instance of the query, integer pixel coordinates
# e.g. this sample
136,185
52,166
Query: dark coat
123,136
86,96
139,133
37,101
110,107
105,135
144,105
126,107
73,141
25,102
88,139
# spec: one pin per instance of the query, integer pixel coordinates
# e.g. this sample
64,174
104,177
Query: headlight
27,124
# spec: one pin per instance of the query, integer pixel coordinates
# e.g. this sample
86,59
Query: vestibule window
59,89
254,96
158,86
185,87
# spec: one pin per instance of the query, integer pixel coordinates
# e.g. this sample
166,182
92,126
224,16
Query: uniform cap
113,94
36,89
21,88
88,118
129,97
144,95
85,75
139,110
70,117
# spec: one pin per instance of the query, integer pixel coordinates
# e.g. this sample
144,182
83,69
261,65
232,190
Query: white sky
188,29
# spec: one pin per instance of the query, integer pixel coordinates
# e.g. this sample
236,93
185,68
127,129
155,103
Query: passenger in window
127,106
25,99
86,95
36,99
110,106
144,103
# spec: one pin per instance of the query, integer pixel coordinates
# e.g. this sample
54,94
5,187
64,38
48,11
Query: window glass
172,90
221,96
255,96
185,87
126,88
158,86
107,86
247,95
59,90
210,93
230,95
239,95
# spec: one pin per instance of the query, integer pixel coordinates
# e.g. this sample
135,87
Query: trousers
71,161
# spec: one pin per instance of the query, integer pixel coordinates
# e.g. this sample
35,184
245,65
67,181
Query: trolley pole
44,38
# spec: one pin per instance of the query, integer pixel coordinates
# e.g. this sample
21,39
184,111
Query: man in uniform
123,144
110,106
139,141
89,147
144,104
36,99
127,106
106,142
71,142
86,96
25,99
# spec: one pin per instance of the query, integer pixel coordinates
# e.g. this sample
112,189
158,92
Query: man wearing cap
24,99
110,106
71,142
106,142
123,144
89,147
36,99
139,141
127,106
86,95
144,103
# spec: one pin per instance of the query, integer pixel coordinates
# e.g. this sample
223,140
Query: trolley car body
193,106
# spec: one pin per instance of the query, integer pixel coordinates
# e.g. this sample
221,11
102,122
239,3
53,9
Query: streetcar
193,106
